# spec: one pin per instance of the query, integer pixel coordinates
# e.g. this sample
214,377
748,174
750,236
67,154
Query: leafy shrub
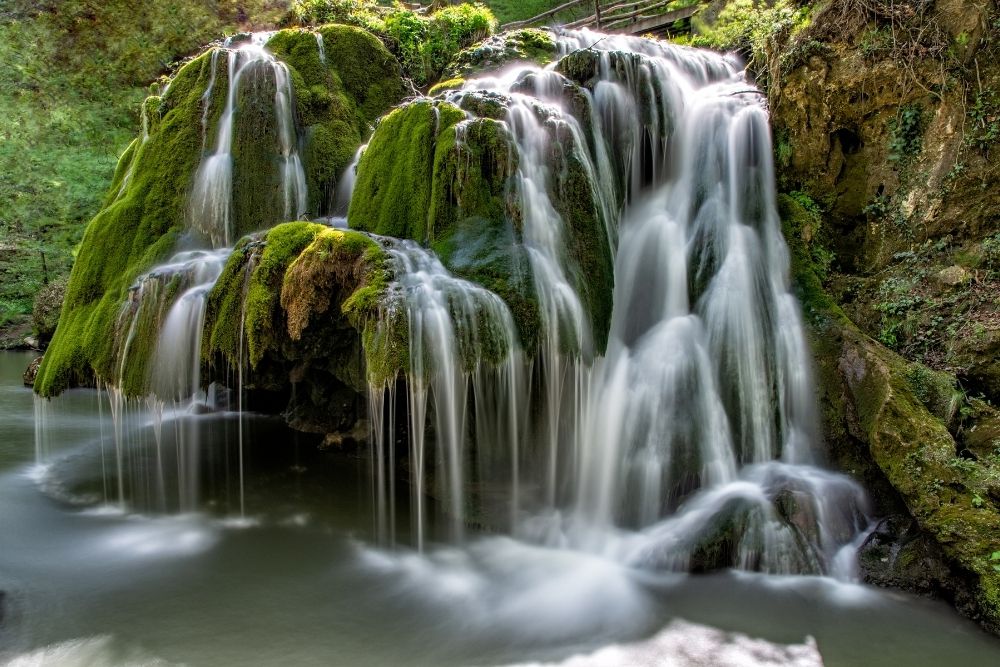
751,26
991,252
985,115
906,133
423,44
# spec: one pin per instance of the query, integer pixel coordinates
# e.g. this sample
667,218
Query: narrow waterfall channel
642,478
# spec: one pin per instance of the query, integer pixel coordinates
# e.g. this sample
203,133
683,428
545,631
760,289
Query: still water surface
298,581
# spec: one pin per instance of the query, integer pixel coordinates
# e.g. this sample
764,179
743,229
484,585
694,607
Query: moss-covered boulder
529,45
433,176
339,94
290,310
392,194
147,215
447,177
140,226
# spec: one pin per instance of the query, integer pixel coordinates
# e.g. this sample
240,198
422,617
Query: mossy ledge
305,295
875,413
338,98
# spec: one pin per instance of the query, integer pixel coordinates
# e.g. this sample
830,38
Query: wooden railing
544,15
633,17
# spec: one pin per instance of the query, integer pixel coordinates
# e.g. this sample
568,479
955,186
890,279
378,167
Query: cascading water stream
449,322
211,207
676,432
321,47
695,424
169,302
696,428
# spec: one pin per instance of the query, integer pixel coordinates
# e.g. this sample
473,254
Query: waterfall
690,443
176,371
211,206
450,322
163,319
675,429
321,47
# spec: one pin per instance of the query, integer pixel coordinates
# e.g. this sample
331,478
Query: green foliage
527,44
352,12
882,208
752,26
876,42
782,148
74,78
821,257
897,300
424,44
802,227
392,194
991,252
906,133
984,112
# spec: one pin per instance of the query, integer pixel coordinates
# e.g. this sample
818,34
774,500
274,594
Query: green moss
334,293
258,200
122,171
145,210
337,100
455,83
224,309
386,342
263,318
336,261
249,292
369,73
305,294
526,45
917,455
132,233
392,194
800,226
424,43
590,261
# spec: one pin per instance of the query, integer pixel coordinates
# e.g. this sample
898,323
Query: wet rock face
891,219
48,305
899,555
31,372
527,45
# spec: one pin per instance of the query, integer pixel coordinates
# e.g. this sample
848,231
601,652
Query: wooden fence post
597,11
